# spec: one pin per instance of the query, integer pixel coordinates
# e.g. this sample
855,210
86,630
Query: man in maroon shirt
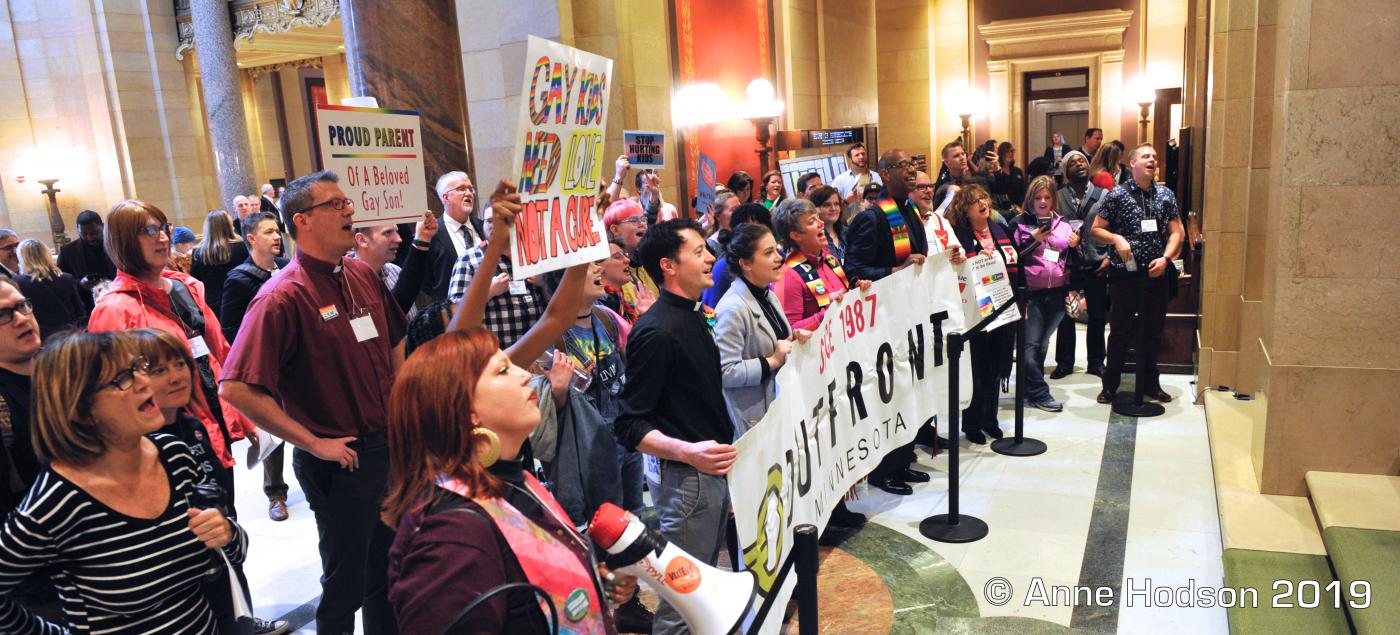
314,362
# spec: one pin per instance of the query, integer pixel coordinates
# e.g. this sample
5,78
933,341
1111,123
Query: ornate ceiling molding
1095,31
260,16
258,71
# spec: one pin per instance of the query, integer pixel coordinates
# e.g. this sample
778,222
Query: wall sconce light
55,219
706,103
1140,92
967,102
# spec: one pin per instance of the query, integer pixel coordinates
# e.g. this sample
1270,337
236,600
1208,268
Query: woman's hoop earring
492,452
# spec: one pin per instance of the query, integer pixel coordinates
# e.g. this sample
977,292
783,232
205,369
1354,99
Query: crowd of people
454,430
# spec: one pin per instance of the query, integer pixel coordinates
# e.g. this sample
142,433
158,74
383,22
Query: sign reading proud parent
872,373
378,153
559,158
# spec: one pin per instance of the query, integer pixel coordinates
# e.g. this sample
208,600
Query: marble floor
1113,503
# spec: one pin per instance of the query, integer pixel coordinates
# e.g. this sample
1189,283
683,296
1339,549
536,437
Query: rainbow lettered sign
559,158
378,153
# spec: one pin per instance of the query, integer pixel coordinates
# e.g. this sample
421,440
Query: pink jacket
129,304
1042,272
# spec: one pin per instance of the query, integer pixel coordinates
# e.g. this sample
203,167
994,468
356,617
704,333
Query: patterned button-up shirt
508,315
1126,206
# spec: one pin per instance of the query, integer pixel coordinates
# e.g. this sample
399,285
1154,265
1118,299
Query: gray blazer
743,336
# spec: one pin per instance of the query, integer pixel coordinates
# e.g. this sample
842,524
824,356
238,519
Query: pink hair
621,210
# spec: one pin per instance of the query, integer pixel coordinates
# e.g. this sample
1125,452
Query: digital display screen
837,136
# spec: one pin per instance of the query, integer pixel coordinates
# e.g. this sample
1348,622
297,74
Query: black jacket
58,304
442,256
240,286
213,275
870,248
14,393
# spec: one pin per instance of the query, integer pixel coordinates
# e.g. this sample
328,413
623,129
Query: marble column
406,54
223,99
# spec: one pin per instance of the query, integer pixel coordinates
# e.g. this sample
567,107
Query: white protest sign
985,287
378,153
559,158
873,372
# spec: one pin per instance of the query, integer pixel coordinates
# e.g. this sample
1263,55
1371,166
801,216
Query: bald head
897,173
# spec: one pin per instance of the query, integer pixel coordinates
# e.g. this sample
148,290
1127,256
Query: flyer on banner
705,185
873,372
645,150
559,158
378,153
985,287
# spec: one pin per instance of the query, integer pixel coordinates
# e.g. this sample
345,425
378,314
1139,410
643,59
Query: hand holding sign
426,228
505,205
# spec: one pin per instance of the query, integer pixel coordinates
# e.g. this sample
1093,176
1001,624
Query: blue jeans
1044,310
693,510
630,462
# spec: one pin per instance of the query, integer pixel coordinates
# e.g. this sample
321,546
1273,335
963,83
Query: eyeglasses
7,315
154,230
463,189
336,204
902,165
635,220
126,378
177,366
924,186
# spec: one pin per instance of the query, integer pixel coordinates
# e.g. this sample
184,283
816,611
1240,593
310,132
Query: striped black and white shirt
114,573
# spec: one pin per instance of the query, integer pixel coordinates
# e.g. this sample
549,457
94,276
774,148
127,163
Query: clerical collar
680,302
315,264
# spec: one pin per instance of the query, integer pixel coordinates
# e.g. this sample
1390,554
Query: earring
492,452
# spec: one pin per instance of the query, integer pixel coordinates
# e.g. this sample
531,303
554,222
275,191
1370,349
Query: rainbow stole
813,279
899,231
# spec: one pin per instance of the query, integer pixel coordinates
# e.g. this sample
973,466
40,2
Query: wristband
422,244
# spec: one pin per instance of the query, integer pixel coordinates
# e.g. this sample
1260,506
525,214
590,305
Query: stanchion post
804,548
1136,406
1019,445
952,526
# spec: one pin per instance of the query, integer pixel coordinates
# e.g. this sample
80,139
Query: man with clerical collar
887,237
313,364
689,430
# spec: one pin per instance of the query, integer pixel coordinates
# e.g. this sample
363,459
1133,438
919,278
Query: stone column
406,54
218,71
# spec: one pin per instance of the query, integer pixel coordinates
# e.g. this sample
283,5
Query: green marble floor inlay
927,591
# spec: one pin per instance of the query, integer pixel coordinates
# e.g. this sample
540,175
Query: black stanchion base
1023,447
943,529
1128,407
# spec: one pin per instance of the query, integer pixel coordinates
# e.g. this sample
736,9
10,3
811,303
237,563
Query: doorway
1055,101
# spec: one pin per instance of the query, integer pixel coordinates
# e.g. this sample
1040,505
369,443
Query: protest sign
645,150
872,373
705,186
559,158
985,287
378,153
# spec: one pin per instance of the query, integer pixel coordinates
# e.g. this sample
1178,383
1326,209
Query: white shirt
454,231
848,179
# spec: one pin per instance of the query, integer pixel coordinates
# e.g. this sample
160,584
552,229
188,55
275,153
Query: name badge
1149,225
517,287
329,313
364,328
1050,255
198,348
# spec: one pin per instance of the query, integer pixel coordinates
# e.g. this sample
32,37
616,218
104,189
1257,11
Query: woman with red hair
147,294
470,518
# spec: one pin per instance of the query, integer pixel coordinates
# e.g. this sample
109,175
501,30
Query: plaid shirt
507,315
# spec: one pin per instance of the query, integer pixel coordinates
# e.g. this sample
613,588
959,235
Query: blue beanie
182,235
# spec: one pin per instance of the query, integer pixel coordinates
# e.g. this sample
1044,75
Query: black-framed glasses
125,379
924,187
336,204
902,165
7,315
154,230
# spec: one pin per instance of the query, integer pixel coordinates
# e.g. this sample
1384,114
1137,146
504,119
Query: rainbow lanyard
899,231
813,279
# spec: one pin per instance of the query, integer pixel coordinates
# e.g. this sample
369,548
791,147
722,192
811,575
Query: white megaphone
712,601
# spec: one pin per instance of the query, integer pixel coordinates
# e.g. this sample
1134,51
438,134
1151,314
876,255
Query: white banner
378,153
559,158
873,372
